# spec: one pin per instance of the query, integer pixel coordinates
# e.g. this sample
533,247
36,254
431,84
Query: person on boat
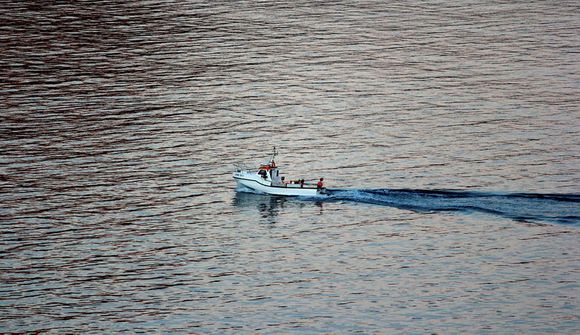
263,173
320,183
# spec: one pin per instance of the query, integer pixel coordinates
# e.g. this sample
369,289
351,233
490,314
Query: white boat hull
287,190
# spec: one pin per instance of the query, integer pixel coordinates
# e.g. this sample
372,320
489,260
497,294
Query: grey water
447,132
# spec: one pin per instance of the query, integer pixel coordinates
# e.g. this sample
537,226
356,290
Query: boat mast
274,154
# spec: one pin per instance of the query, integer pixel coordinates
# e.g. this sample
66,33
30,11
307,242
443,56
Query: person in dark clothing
263,173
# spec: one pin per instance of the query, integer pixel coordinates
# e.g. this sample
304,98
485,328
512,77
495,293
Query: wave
526,207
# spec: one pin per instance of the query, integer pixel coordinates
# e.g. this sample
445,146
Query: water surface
450,130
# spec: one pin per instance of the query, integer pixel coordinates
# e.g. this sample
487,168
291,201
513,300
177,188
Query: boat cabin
270,172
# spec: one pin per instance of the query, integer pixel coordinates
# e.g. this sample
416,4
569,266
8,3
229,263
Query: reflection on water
269,206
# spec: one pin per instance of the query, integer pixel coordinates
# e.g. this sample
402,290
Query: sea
447,133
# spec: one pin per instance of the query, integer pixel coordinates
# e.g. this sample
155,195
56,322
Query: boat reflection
269,206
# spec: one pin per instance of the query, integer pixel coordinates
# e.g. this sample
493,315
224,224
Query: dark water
526,207
447,130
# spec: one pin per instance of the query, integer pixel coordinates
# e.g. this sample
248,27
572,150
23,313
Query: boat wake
527,207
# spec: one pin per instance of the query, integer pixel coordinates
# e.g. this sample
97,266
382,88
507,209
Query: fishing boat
267,179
